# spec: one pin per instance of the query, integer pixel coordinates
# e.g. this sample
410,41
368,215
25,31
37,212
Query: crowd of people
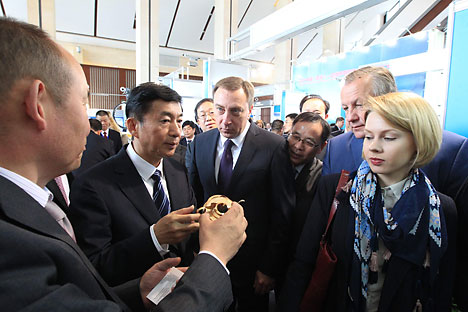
91,224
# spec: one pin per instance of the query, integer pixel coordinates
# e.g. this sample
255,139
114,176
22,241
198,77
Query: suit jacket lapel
172,183
132,186
356,148
19,206
208,160
302,177
249,148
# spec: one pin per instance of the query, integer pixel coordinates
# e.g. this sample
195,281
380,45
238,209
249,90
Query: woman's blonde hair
412,113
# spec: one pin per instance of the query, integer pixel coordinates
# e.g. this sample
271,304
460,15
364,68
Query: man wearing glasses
308,138
204,114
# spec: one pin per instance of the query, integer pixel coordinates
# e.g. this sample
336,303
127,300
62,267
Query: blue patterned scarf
414,226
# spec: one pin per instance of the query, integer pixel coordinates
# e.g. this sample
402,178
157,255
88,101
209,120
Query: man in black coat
114,207
108,133
244,162
97,148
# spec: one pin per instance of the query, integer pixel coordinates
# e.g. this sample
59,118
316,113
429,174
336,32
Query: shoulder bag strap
343,180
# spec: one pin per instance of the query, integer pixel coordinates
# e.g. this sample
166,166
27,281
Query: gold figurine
216,206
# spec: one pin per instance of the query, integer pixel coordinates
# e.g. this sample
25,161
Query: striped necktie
159,196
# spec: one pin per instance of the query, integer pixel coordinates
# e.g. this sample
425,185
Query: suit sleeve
301,268
119,261
33,276
118,142
461,281
194,178
283,198
204,287
446,275
458,170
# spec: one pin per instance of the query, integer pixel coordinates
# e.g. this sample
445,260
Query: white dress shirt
146,170
236,149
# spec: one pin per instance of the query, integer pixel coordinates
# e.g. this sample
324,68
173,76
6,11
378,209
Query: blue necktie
159,196
225,167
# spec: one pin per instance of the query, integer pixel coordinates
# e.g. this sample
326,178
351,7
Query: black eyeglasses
294,137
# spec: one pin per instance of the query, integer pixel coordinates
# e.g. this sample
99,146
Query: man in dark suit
41,267
309,135
188,127
107,132
117,220
97,148
446,171
245,162
337,127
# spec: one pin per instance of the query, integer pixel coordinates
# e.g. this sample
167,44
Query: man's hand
176,226
153,276
224,236
263,283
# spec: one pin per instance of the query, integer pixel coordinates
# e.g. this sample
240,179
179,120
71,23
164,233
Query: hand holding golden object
216,206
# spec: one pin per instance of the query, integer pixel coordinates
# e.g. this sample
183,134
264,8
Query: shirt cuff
214,256
162,249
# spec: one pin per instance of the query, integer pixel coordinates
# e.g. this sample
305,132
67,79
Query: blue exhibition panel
457,107
324,74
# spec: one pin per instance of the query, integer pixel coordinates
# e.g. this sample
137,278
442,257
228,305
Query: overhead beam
430,16
296,18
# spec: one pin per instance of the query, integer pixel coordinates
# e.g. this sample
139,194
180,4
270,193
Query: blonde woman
393,233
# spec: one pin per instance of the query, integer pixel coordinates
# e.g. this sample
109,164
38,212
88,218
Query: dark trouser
245,300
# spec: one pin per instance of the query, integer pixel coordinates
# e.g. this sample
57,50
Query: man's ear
34,100
324,144
132,126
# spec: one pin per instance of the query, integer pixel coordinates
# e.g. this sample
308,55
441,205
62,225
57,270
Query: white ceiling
182,23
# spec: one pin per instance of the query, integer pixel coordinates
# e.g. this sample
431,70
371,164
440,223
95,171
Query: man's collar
144,168
238,140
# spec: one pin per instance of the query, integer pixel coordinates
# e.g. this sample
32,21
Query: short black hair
95,124
339,119
200,103
141,98
314,96
189,123
277,125
291,116
102,113
315,118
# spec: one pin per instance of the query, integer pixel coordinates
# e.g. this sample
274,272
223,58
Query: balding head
43,104
27,52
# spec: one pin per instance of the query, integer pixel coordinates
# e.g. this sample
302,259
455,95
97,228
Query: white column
226,12
285,52
147,40
43,16
332,42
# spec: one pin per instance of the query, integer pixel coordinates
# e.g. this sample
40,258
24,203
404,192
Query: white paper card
164,287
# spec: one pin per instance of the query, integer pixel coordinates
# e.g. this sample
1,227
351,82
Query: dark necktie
104,134
225,167
159,196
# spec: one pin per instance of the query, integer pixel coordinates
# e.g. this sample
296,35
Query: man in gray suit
41,267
